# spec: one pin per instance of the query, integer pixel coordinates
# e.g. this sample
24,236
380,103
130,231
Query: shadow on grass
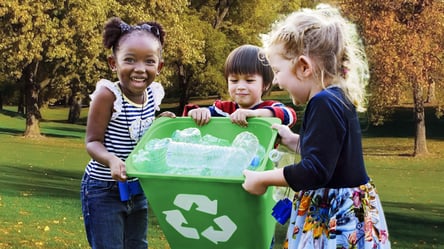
58,132
371,149
80,121
415,224
402,124
12,114
14,132
35,181
67,131
63,131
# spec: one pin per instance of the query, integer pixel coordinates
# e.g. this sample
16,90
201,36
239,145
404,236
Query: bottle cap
255,162
275,155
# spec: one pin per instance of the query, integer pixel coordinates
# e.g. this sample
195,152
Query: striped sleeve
223,108
286,114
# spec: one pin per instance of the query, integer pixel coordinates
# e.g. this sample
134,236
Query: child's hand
287,137
118,170
167,114
252,183
200,115
240,116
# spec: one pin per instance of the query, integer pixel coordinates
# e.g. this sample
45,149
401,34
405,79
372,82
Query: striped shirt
124,131
221,108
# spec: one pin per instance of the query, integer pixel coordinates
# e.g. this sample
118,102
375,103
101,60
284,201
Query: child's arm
99,115
268,108
257,182
286,114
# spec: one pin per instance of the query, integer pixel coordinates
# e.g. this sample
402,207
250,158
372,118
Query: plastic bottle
152,158
212,140
189,157
275,156
280,159
189,153
187,135
206,160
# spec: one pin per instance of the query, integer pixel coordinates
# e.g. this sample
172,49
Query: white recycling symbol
185,201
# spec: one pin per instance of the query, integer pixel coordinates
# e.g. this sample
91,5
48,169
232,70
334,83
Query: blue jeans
109,222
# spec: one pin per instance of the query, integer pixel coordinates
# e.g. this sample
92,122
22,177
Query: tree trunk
222,8
21,100
1,101
431,97
74,101
74,110
420,135
32,90
183,85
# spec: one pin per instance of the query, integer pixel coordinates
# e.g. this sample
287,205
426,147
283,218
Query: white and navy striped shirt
124,130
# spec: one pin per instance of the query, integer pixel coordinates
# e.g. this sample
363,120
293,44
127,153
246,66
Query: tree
47,44
220,26
404,45
51,50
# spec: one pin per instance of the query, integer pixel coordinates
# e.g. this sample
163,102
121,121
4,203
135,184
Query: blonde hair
331,42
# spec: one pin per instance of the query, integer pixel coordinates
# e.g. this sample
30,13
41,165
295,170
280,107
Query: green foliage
60,41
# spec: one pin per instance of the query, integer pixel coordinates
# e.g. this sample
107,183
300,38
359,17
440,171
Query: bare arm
99,115
257,182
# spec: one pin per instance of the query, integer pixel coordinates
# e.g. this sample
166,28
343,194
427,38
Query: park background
51,57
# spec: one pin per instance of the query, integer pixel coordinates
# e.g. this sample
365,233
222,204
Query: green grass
40,178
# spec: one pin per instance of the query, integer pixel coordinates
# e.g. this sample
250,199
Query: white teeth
137,79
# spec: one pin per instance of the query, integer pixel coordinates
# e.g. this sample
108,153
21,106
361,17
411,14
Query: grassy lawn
40,178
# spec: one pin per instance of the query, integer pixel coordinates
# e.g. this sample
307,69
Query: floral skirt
337,218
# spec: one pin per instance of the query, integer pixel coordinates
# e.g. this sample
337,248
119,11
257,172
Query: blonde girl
317,57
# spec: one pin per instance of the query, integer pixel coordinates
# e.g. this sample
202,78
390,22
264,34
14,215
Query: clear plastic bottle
281,158
212,140
247,141
188,157
206,160
187,135
152,158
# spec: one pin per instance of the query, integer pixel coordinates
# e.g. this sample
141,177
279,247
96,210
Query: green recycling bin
203,212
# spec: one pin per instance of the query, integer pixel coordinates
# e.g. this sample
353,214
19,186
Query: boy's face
245,90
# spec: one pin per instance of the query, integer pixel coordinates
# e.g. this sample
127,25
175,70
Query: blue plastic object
129,189
255,163
282,210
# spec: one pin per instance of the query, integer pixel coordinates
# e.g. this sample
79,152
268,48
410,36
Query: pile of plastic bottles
187,152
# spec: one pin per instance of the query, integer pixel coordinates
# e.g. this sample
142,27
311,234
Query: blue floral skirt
337,218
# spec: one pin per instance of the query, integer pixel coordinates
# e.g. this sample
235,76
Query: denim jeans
109,222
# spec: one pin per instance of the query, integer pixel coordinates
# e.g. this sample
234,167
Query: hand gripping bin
203,212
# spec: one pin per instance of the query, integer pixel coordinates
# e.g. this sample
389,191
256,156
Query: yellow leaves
39,243
26,193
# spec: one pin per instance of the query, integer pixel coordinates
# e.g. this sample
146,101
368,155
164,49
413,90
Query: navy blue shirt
331,146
